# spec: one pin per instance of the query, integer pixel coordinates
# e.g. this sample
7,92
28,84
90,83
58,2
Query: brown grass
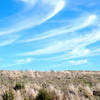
65,85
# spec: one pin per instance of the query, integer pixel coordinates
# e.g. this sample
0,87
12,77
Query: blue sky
49,35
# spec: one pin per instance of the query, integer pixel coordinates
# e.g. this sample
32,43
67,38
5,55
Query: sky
50,35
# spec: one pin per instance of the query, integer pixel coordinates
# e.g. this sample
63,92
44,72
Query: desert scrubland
50,85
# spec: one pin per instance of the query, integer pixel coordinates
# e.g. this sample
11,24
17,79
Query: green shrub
19,85
43,95
8,95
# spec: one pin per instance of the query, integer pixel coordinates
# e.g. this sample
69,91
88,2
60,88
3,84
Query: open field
64,85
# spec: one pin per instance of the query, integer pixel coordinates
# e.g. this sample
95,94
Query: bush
28,98
19,86
8,95
43,95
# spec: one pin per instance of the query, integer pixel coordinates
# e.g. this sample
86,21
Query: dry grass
65,85
88,92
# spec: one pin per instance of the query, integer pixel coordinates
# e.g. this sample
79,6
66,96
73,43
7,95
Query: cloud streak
31,17
24,61
74,46
78,62
66,29
8,40
18,62
71,37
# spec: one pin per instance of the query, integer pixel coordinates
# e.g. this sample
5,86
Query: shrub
19,85
8,95
43,95
54,96
87,92
29,98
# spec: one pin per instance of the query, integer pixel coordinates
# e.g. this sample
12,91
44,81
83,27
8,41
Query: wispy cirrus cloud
31,17
79,24
32,2
78,62
24,61
74,46
77,36
18,62
8,40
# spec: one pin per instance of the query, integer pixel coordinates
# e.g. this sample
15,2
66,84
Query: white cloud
79,24
80,51
31,17
70,41
59,4
29,1
24,61
75,47
8,40
78,62
91,19
18,62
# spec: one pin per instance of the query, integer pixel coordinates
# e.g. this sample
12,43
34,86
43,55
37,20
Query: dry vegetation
51,85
